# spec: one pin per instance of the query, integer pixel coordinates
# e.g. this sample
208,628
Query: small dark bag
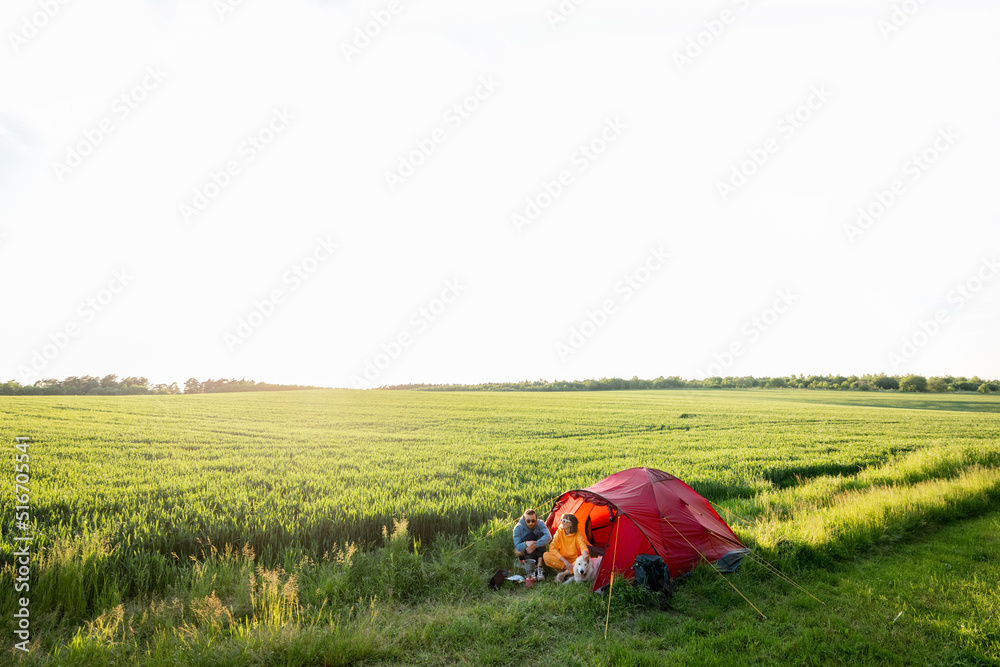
651,572
498,579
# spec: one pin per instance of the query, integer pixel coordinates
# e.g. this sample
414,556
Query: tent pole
614,555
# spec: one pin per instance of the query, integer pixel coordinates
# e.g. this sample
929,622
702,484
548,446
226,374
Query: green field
171,529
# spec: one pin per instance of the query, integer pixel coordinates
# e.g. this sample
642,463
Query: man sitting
531,537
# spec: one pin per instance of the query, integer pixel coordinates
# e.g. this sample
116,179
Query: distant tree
937,384
220,385
913,383
672,382
886,382
192,386
614,384
134,385
988,387
48,387
637,383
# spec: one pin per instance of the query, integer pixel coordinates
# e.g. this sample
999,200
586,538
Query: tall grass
70,579
325,607
849,522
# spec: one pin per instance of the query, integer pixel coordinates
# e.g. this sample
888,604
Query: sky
358,194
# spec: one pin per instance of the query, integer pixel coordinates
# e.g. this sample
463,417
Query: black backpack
651,572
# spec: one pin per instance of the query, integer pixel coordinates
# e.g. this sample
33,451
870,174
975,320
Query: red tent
646,511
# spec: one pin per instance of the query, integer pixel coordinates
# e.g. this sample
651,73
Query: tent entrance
610,533
596,520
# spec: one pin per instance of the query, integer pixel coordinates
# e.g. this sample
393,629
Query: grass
333,527
931,599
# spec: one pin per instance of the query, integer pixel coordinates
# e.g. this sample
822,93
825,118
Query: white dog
584,569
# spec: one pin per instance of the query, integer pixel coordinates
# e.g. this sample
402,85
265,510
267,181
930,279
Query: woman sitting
566,546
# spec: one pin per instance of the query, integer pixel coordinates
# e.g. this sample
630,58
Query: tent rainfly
647,511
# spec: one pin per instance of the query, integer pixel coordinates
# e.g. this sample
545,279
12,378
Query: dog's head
585,568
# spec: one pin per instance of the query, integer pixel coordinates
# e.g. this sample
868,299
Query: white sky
676,133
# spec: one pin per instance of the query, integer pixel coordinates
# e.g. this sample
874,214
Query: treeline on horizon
910,383
110,385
